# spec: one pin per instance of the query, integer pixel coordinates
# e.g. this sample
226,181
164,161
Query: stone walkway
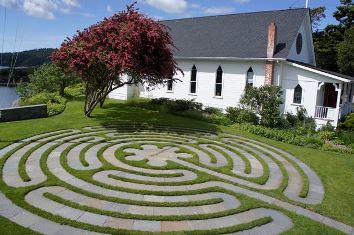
114,192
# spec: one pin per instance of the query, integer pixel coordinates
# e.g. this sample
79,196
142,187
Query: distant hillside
30,58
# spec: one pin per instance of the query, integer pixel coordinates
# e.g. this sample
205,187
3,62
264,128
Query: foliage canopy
265,102
47,78
346,53
127,43
326,41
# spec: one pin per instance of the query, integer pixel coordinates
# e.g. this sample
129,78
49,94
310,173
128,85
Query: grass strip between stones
22,163
94,228
305,181
260,180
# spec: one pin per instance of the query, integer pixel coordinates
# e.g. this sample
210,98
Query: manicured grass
335,169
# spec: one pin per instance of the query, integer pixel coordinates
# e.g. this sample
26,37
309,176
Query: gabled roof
334,75
238,35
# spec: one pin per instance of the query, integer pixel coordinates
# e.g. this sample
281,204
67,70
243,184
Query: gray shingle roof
238,35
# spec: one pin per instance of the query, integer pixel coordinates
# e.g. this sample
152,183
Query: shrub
23,89
77,90
338,142
55,103
300,122
175,106
286,136
232,113
341,149
347,137
301,114
212,110
183,105
246,116
47,78
348,124
327,135
291,119
263,101
313,142
327,127
238,115
159,101
219,119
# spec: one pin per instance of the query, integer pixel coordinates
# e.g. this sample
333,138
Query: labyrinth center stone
91,185
154,155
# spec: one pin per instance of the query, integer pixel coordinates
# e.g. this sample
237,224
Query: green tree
346,53
326,41
345,14
317,14
265,102
31,58
47,78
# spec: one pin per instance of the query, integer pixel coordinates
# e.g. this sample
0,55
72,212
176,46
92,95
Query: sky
30,24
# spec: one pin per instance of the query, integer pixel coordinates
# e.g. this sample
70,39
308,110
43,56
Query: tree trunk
62,89
95,96
102,102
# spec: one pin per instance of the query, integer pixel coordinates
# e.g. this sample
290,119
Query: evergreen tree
326,41
345,14
317,14
346,53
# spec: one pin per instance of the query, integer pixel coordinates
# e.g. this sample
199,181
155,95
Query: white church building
220,55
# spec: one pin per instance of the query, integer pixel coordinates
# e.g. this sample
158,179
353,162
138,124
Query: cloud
71,3
109,8
83,14
42,8
169,6
218,10
195,5
9,3
158,17
241,1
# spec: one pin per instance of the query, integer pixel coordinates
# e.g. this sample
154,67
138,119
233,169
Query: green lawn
335,169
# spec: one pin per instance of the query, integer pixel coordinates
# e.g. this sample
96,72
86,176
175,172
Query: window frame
172,86
194,71
296,95
247,77
218,83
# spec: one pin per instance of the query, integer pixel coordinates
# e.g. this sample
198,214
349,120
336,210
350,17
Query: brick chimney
271,46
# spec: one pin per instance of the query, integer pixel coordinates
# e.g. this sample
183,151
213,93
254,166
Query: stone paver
154,155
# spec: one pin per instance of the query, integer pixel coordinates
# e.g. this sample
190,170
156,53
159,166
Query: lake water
8,97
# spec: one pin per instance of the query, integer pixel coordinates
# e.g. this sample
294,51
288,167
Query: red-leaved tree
127,43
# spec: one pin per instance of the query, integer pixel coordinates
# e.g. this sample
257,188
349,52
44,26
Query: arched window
193,83
298,95
218,82
250,76
170,85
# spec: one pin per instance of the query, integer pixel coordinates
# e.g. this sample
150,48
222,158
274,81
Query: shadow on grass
121,113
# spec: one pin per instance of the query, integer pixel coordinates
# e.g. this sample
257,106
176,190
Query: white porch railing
325,113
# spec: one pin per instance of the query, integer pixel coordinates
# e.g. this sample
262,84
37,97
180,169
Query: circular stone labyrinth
135,180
